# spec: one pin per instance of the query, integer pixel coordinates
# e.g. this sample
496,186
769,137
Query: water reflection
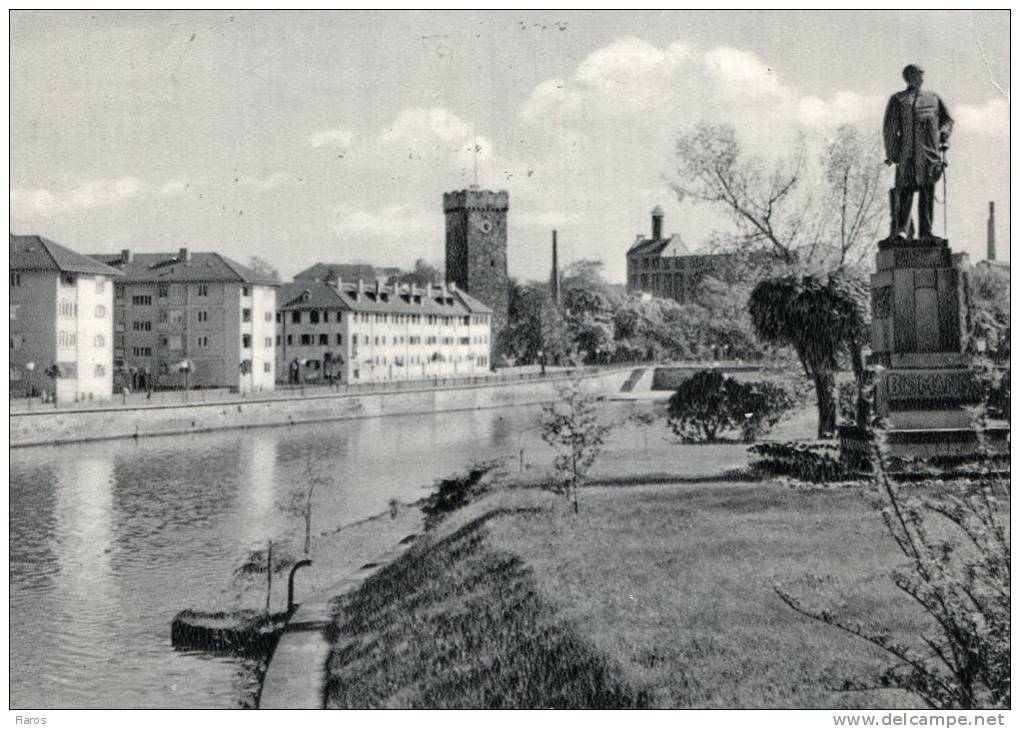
109,540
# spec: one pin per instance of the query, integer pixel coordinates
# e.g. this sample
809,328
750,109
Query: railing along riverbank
199,396
110,421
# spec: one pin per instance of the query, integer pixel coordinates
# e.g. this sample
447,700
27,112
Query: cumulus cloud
661,90
415,127
331,138
92,194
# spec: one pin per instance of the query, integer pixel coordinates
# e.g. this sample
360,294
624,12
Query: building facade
665,268
192,320
61,326
349,333
476,248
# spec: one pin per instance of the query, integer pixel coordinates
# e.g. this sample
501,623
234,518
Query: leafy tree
710,403
818,319
423,274
263,267
989,315
571,425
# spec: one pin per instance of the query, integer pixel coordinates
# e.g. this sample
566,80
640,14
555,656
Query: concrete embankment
73,426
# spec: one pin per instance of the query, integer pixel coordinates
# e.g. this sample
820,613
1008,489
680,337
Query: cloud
634,87
418,127
263,184
92,194
626,76
331,138
990,118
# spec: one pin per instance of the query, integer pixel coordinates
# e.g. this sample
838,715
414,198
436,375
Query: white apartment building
61,328
192,320
352,332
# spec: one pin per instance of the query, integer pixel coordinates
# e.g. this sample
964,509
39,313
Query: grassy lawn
652,595
676,584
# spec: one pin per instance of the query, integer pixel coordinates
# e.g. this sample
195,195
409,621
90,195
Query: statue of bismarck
916,129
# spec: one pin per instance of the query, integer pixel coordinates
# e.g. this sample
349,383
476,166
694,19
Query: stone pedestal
919,302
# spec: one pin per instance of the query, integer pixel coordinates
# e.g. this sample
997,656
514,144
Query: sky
330,136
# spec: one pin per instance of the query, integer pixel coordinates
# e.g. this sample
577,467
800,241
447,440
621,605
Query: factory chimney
657,216
991,231
554,280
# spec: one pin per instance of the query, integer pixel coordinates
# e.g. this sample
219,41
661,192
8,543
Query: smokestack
657,216
554,283
182,255
991,231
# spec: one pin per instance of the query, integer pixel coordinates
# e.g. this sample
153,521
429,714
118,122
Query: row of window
315,317
67,308
323,340
67,339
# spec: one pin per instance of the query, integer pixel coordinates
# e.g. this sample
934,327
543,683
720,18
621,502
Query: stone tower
476,248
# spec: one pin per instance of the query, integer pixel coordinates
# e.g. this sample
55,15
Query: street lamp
30,366
185,367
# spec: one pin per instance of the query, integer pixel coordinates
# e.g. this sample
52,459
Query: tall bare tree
853,207
822,215
758,195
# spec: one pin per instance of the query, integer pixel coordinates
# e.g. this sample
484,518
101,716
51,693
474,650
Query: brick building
665,267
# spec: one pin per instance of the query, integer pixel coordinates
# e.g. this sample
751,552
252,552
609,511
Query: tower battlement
474,199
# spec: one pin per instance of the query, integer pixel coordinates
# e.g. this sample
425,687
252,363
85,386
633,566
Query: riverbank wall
75,426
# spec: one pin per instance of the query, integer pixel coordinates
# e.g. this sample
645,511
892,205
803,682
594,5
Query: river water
109,540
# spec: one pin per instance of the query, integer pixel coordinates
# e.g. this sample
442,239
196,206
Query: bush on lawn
814,462
710,404
457,491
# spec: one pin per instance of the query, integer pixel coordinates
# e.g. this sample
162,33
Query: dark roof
658,247
199,267
35,253
648,246
346,271
384,299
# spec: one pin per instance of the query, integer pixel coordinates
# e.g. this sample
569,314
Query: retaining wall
72,426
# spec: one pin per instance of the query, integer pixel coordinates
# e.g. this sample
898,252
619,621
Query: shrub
814,462
457,491
710,403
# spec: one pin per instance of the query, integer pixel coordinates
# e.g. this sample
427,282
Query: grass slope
652,595
459,624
